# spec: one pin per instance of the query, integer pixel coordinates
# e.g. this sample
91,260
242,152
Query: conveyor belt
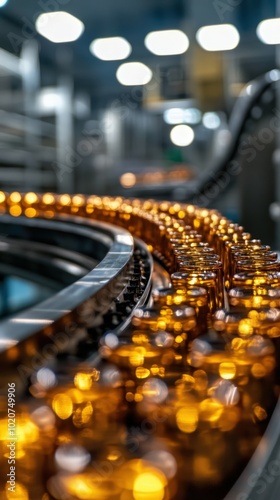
117,395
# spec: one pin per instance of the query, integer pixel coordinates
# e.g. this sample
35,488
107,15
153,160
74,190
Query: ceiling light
192,116
182,135
59,27
110,49
167,43
3,2
211,120
268,31
218,37
174,116
134,73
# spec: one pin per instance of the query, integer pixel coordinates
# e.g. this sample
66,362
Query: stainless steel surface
9,63
100,283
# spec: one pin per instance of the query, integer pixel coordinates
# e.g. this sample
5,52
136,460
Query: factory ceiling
133,19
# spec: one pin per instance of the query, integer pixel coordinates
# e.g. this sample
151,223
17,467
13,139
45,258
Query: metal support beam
9,63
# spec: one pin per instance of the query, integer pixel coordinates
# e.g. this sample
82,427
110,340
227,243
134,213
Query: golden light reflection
210,410
245,327
137,357
185,383
49,214
15,210
3,430
129,396
62,405
90,486
87,412
142,372
155,370
260,412
15,197
82,415
20,451
75,395
89,209
238,344
19,493
140,338
187,419
30,212
227,370
83,381
78,200
258,370
201,380
30,198
138,397
65,200
27,432
149,485
48,199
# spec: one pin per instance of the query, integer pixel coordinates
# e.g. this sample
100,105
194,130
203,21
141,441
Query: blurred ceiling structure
195,72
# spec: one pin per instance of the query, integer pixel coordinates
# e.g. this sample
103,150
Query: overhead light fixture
192,116
218,37
3,2
174,116
134,73
268,31
182,135
211,120
110,49
167,42
59,27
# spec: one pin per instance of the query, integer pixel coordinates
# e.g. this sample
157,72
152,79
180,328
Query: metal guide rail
86,302
144,377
